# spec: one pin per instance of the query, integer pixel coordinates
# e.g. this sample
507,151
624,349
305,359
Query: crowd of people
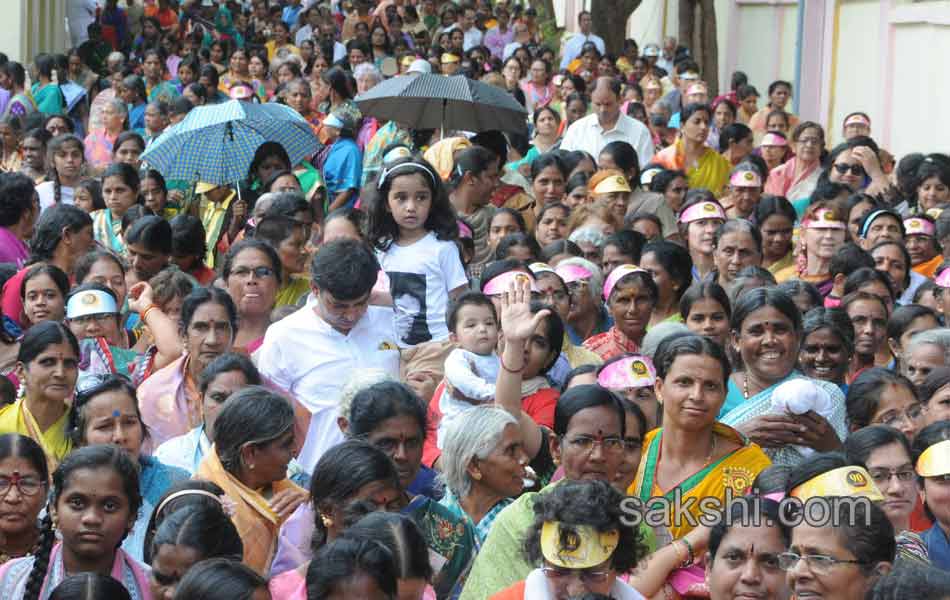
450,364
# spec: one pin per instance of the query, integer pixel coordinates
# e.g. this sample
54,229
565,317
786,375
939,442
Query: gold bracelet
147,310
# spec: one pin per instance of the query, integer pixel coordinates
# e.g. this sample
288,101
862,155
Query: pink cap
943,280
696,88
501,283
771,139
824,218
857,120
745,179
629,372
616,275
918,226
703,210
572,273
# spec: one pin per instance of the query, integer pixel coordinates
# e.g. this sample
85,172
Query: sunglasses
855,169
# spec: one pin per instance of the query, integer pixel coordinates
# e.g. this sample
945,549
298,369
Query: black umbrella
439,101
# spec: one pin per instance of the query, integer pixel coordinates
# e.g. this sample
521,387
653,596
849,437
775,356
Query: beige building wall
31,27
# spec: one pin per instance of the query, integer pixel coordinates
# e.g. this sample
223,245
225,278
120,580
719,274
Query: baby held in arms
472,368
797,397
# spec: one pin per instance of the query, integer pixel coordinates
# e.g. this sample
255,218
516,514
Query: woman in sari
46,94
120,191
106,411
822,233
704,167
47,367
556,294
796,179
169,399
692,372
630,294
271,158
766,334
776,219
110,476
289,237
253,444
99,142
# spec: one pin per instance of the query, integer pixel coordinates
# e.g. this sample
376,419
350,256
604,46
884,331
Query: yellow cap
843,481
612,184
935,460
203,187
576,546
448,57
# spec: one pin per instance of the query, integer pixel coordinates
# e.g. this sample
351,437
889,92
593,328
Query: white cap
420,66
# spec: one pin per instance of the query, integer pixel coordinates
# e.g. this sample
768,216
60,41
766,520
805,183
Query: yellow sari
711,171
256,523
16,418
734,471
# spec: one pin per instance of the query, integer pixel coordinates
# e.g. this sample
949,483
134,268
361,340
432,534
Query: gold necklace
712,450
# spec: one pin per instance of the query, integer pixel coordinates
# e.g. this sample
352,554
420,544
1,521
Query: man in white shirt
607,124
522,38
311,353
328,38
573,46
473,37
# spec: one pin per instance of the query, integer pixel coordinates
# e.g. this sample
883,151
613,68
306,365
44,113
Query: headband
745,178
616,275
702,210
612,184
857,119
843,481
540,267
824,218
696,88
181,493
918,226
332,120
635,371
396,153
771,139
501,283
874,215
935,460
387,172
90,302
572,273
572,546
943,280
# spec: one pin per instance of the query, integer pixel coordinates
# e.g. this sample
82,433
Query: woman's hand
870,162
817,433
141,297
772,431
285,502
517,322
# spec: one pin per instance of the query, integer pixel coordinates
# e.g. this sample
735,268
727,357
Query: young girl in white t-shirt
413,228
65,158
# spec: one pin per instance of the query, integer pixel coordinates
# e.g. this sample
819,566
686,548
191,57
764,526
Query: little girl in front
413,228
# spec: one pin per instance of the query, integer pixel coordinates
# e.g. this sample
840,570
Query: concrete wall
31,27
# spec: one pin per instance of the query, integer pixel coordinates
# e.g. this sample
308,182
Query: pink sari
167,408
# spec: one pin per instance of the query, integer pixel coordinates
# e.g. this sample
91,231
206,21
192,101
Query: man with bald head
608,124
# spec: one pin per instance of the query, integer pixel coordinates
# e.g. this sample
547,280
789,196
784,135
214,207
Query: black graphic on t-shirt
409,301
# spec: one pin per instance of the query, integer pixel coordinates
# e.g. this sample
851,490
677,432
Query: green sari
48,98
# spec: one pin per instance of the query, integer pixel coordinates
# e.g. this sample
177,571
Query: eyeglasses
911,414
818,563
586,443
882,476
27,486
585,575
260,272
855,169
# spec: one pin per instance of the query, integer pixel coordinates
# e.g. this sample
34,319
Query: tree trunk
701,38
610,21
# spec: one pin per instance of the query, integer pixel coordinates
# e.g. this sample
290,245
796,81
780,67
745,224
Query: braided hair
90,457
54,146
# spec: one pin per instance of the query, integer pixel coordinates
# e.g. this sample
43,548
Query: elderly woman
367,76
766,334
823,231
99,143
483,465
582,542
169,399
631,295
796,179
584,282
253,444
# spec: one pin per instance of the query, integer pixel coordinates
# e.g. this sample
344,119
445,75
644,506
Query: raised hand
517,322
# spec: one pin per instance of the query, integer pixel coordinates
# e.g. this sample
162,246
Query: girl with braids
47,368
93,506
22,466
65,157
120,191
106,411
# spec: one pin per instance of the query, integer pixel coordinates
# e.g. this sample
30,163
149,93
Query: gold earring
477,475
327,521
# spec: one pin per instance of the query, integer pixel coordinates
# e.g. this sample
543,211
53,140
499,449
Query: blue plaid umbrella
216,143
